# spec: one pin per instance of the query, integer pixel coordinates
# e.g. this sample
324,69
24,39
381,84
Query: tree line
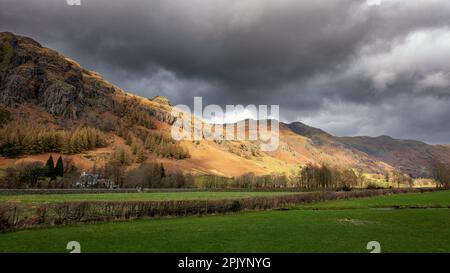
147,175
310,177
327,177
22,137
153,174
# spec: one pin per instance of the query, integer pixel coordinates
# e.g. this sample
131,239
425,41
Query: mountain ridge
47,87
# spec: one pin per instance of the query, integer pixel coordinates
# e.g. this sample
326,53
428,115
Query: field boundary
15,216
150,190
146,190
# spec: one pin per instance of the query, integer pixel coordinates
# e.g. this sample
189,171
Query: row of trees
251,180
326,177
311,177
146,175
153,175
246,181
25,138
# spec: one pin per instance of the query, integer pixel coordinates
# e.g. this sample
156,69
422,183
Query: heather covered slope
41,86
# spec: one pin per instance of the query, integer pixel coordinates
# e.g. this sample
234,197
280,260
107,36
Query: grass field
440,199
155,196
339,226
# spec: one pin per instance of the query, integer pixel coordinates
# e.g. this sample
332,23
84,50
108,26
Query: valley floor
401,223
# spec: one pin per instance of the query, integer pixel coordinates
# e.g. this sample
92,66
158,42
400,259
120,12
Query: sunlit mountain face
349,67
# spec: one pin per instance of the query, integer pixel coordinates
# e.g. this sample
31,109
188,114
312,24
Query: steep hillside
410,156
42,87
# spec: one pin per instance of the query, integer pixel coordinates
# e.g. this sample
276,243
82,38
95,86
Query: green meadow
147,196
401,223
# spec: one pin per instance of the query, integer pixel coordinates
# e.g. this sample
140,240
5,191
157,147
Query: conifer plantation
21,137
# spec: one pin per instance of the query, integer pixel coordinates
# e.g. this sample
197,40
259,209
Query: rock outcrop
30,73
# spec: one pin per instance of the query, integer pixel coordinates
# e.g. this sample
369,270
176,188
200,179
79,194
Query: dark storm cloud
318,60
241,44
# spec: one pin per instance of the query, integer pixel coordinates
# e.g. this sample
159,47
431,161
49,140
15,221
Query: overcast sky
350,67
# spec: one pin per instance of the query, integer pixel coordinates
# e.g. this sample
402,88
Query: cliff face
30,73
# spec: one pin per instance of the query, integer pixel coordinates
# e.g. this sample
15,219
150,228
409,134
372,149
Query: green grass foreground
147,196
330,229
439,199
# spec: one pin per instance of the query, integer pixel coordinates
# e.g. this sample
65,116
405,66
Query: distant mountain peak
305,130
